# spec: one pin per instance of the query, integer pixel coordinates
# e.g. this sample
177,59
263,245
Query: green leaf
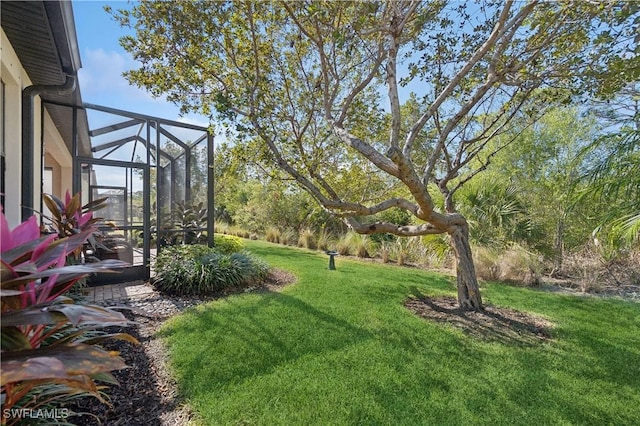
57,362
66,273
120,336
31,316
13,339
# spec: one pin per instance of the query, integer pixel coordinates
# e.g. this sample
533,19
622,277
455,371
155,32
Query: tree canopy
321,86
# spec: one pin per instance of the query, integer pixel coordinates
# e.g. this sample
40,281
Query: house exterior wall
16,79
57,157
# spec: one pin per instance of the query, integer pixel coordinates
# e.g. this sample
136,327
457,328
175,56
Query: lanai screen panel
119,138
199,171
150,169
181,183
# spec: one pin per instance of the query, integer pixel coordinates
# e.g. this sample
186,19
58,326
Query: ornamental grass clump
324,240
272,235
344,245
200,270
307,239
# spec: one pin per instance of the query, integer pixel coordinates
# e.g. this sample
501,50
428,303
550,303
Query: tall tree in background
308,80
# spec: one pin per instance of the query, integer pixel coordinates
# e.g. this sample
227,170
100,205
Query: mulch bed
492,324
147,394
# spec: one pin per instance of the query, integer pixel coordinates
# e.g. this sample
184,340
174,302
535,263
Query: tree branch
499,28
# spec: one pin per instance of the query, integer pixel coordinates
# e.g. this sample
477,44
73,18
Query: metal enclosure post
158,165
210,192
146,209
187,176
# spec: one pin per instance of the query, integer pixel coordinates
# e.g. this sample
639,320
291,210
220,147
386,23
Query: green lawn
339,348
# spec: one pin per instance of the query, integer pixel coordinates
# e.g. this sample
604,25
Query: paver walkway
120,292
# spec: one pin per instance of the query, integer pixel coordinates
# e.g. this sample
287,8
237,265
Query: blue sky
101,80
104,61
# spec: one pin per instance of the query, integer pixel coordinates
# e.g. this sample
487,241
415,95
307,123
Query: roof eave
65,35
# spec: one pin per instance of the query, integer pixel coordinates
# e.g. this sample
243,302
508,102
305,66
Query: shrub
485,260
171,255
520,265
227,229
68,218
205,271
227,244
590,271
191,218
514,264
249,268
48,342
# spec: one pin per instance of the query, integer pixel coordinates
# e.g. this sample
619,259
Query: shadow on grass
263,358
493,324
235,340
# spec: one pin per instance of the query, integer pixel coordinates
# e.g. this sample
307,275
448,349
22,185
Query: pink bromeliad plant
49,350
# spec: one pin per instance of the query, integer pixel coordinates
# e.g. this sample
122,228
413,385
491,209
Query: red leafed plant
49,350
69,217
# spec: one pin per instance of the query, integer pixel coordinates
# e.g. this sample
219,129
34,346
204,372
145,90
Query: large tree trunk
468,291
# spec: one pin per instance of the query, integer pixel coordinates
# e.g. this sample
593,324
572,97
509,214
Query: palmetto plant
614,172
495,212
616,179
48,341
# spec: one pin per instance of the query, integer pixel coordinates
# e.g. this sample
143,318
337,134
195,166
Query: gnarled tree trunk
468,291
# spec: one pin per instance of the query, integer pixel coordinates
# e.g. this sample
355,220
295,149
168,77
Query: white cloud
101,75
102,83
193,121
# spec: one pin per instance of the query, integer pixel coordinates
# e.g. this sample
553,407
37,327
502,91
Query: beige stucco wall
16,79
58,157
